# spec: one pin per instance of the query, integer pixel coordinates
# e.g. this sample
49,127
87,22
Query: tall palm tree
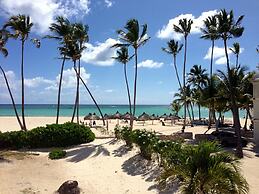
184,28
131,36
173,48
236,51
61,29
198,78
205,168
21,26
3,39
123,57
80,34
210,32
73,51
229,28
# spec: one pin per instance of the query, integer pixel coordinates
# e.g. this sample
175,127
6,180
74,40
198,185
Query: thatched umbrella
94,117
117,116
172,118
106,116
127,116
163,116
144,117
87,117
153,117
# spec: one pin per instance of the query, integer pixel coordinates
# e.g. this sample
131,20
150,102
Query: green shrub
54,135
145,140
57,154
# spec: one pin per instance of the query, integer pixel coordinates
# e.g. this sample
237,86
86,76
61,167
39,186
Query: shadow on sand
148,170
85,151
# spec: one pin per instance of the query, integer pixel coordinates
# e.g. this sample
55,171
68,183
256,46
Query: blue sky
157,81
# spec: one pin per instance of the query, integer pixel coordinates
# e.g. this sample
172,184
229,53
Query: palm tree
21,27
210,32
132,36
236,51
198,78
175,107
229,28
205,168
73,51
232,83
60,31
80,34
3,39
173,48
123,57
184,28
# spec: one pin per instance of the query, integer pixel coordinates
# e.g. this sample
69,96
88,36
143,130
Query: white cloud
43,12
109,91
150,64
167,31
37,81
219,54
101,54
69,79
11,80
108,3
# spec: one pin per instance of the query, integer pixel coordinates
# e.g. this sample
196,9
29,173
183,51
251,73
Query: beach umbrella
94,117
106,116
172,118
87,117
117,115
153,117
128,116
163,116
144,117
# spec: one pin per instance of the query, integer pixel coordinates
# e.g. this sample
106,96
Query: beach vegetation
57,154
53,135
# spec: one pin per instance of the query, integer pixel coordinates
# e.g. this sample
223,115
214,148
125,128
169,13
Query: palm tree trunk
91,96
176,71
211,72
127,85
135,87
75,104
250,116
59,87
192,110
12,99
237,61
189,113
199,108
22,76
245,125
239,150
78,91
184,93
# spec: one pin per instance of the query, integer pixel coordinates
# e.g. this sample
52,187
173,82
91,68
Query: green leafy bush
57,154
54,135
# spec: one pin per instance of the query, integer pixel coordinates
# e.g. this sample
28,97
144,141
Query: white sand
100,167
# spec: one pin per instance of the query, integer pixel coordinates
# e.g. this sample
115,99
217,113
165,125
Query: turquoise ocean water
67,110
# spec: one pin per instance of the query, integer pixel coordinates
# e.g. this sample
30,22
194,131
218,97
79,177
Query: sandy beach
102,166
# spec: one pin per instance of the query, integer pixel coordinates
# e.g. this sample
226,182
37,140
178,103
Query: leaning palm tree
123,57
132,36
80,35
236,51
184,28
229,28
173,48
21,26
205,168
60,29
3,39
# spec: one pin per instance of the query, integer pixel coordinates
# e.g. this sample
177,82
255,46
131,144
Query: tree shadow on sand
82,152
121,151
148,170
